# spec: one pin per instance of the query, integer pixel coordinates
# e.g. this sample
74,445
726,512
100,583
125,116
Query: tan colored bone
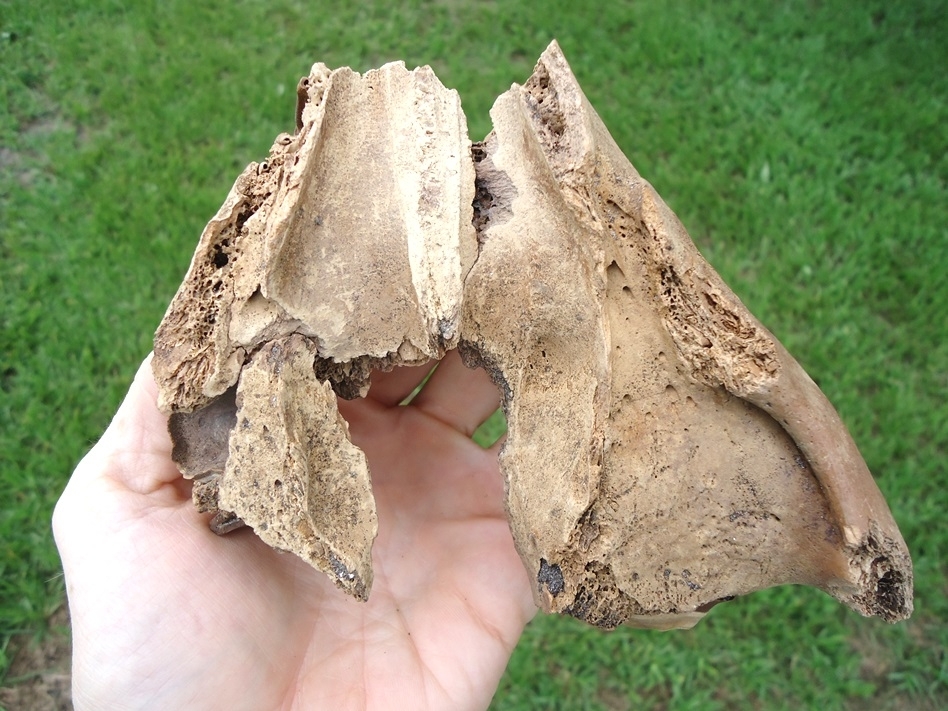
292,473
372,198
664,451
346,250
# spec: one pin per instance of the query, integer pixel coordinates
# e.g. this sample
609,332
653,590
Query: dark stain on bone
551,576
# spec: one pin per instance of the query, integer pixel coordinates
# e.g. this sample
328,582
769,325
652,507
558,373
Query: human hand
167,615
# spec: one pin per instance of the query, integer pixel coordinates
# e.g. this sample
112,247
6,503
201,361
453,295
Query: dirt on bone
664,452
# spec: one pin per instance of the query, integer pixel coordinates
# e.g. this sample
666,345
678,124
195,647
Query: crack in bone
664,451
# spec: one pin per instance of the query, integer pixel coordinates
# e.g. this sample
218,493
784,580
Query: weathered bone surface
346,250
664,452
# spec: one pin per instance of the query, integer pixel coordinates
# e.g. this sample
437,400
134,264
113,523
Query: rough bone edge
664,451
769,508
345,251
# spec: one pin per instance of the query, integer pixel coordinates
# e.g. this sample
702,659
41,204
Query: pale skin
167,615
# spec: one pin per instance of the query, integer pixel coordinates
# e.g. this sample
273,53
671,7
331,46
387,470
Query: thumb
134,453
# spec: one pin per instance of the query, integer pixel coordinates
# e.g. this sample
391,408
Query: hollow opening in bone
663,452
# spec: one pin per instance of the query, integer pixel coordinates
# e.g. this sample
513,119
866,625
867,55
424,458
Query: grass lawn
803,144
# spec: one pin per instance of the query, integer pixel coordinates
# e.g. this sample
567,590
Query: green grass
802,143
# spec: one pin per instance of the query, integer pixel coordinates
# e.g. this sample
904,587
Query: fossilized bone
664,451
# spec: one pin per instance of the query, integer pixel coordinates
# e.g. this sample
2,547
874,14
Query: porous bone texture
345,251
664,451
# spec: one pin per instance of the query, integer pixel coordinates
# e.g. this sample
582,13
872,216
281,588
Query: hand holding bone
166,614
